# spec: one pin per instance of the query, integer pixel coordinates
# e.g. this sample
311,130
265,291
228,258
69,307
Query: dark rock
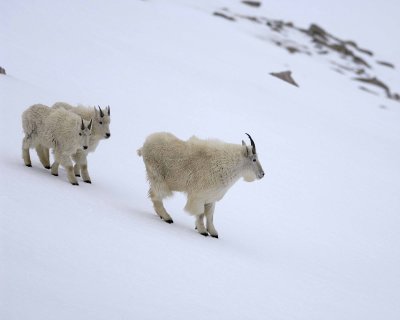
368,90
224,15
376,82
395,96
255,4
250,18
285,76
355,46
386,64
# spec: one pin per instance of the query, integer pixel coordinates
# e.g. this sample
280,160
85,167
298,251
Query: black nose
85,147
108,135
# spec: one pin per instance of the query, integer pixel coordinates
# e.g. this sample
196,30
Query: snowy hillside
317,238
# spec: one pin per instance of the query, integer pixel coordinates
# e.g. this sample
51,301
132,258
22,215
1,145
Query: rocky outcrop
285,76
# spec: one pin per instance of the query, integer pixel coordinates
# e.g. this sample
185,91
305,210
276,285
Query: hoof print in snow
255,4
2,70
285,76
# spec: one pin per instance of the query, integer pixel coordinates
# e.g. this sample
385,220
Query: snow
317,238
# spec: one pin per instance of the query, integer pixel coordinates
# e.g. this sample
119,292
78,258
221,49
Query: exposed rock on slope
343,56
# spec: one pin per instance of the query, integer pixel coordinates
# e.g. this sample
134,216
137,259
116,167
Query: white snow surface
317,238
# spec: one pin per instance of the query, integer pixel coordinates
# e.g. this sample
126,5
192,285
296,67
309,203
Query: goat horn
101,112
108,110
82,125
252,144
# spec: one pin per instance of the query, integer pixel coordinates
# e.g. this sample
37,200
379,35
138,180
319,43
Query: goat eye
254,160
80,133
101,122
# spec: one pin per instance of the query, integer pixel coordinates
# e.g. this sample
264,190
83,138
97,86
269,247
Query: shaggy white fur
203,169
100,130
56,129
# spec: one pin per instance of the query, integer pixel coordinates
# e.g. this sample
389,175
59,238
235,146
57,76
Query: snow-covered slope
317,238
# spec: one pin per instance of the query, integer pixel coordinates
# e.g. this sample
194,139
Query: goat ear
245,150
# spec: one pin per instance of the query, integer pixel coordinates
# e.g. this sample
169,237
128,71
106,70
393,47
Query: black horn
252,144
108,109
90,124
101,112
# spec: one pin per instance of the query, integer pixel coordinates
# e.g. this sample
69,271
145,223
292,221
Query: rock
386,64
255,4
285,76
224,15
378,83
368,90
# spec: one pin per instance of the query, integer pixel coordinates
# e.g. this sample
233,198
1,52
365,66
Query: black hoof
204,234
75,184
87,181
29,165
55,174
215,236
77,175
169,221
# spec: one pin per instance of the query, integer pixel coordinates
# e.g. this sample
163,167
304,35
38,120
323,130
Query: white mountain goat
100,130
203,169
33,123
57,129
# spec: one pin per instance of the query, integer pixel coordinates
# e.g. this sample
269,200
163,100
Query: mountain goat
56,129
100,130
203,169
33,123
